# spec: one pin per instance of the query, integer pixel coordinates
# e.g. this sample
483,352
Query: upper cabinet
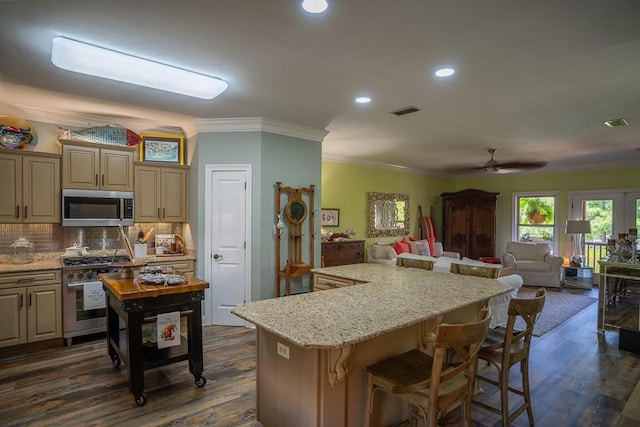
160,193
30,190
97,167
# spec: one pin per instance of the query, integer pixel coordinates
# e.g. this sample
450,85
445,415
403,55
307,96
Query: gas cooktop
93,260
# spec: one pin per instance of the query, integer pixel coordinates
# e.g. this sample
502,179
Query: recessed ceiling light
445,72
315,6
96,61
363,100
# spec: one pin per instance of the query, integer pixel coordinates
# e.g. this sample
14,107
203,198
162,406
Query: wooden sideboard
343,252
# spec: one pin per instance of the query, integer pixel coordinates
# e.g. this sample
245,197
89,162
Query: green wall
345,187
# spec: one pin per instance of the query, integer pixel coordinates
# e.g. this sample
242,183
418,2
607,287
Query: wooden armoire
469,223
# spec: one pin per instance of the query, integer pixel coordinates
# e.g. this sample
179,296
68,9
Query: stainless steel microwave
96,208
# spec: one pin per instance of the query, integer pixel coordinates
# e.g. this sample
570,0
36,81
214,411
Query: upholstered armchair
534,263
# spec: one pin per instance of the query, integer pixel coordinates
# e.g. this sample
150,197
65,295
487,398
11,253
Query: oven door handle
78,284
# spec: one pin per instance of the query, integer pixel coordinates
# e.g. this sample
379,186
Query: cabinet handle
159,217
17,211
102,180
164,214
96,180
21,301
25,211
29,299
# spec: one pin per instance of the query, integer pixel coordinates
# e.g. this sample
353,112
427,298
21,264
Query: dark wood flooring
576,381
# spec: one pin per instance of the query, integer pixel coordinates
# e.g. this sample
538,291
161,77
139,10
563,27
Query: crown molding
259,124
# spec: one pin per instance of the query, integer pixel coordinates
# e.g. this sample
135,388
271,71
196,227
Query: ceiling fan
493,166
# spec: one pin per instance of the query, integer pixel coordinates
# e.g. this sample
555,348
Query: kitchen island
138,303
313,348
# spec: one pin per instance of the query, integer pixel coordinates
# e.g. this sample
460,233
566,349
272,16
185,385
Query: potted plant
537,210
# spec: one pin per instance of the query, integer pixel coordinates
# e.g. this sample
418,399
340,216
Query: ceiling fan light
84,58
315,6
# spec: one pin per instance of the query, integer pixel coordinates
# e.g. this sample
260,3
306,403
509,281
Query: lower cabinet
30,307
322,282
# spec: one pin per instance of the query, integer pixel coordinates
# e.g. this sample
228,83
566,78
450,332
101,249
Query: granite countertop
52,260
393,298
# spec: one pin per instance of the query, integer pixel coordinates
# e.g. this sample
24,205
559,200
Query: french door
610,212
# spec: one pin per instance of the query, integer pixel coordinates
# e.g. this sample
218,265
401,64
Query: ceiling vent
404,111
617,122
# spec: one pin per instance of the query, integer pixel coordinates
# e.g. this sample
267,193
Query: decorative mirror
296,211
388,214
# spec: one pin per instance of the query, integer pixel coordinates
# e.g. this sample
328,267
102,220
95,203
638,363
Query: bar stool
505,347
424,264
475,270
429,383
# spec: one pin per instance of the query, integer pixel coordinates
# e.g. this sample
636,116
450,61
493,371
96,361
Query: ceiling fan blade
521,165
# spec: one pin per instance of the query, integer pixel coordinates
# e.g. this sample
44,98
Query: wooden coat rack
295,212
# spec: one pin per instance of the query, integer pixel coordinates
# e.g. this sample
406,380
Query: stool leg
504,393
524,369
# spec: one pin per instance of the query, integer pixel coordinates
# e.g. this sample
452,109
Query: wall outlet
283,350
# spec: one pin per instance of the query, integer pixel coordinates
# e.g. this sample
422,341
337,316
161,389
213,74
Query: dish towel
168,327
93,296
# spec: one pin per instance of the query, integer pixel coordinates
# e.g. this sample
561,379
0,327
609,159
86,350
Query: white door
227,239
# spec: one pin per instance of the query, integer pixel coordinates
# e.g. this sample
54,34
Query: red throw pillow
432,245
401,247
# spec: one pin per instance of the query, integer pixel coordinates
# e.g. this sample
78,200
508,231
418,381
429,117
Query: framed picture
162,148
330,217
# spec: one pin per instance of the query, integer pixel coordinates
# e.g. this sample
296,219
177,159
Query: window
535,218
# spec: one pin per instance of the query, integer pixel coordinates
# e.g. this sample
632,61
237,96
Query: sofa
384,253
534,263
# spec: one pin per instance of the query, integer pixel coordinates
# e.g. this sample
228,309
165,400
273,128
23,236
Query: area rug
558,307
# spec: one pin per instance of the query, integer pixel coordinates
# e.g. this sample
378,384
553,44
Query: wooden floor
576,381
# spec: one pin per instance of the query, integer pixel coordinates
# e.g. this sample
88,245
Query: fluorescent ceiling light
363,100
315,6
445,72
96,61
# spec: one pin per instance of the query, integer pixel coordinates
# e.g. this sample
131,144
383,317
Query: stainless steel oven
83,297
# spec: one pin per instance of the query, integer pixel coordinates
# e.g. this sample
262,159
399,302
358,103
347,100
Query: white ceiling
534,79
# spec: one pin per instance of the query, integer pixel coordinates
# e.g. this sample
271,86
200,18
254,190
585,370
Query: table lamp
579,228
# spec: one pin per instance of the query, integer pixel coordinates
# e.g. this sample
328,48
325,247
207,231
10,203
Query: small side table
583,276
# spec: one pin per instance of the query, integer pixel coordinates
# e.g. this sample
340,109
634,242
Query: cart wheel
115,361
200,381
141,399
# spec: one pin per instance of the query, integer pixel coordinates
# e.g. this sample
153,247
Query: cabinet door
45,312
147,194
81,167
116,170
174,195
11,188
41,190
456,227
482,231
13,317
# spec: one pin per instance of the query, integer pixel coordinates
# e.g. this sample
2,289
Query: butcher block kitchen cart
139,304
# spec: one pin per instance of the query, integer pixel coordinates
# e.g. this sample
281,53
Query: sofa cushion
540,266
401,247
420,247
379,251
433,247
529,251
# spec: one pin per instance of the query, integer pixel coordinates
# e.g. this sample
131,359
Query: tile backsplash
55,238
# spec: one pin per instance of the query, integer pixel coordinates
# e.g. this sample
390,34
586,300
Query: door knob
216,256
